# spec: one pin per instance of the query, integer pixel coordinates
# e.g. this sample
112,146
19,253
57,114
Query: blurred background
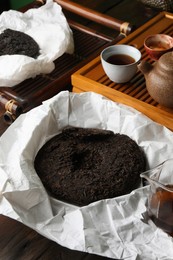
12,4
15,4
163,5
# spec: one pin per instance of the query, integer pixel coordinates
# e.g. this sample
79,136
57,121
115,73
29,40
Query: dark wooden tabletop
18,241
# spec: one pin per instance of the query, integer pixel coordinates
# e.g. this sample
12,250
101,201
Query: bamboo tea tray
91,77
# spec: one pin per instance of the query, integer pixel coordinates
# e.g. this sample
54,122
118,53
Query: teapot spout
145,67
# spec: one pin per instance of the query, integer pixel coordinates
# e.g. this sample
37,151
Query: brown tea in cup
160,197
120,59
160,209
158,44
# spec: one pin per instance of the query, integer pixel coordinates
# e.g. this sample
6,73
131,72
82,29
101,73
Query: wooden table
20,242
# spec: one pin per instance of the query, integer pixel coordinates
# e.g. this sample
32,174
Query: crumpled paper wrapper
111,227
48,26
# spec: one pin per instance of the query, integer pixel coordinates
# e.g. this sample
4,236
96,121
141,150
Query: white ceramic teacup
121,68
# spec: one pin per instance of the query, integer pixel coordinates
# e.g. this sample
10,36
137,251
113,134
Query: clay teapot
159,79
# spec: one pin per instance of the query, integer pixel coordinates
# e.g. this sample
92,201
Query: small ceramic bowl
158,44
120,62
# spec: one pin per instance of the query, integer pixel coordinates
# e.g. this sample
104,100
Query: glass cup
160,199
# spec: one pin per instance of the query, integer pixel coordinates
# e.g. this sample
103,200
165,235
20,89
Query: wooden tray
91,77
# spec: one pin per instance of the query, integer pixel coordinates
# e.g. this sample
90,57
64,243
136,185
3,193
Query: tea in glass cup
160,199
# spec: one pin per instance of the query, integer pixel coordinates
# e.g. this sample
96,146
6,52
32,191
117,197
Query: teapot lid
166,60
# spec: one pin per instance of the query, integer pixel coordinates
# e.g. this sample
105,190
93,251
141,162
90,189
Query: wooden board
91,77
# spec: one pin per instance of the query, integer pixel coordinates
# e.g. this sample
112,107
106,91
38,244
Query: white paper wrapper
112,227
47,25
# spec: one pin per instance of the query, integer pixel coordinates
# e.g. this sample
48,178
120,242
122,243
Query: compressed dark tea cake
81,165
16,42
